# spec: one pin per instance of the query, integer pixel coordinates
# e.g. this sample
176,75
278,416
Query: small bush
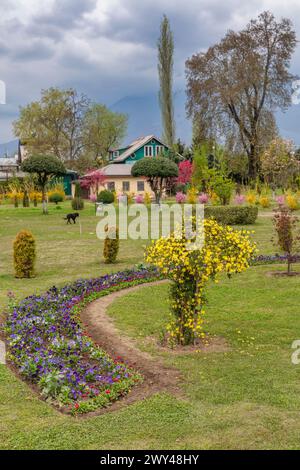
24,254
25,199
111,245
292,202
56,197
77,204
232,215
264,201
106,197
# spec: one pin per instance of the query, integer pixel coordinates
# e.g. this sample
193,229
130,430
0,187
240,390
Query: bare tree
243,80
165,70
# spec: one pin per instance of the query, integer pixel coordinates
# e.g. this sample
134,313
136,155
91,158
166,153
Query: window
140,186
159,150
126,186
111,186
148,151
116,153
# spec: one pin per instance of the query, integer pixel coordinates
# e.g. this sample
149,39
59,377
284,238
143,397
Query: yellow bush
147,198
192,196
264,201
292,202
251,198
191,267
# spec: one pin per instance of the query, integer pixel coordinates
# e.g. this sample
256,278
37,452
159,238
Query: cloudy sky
107,48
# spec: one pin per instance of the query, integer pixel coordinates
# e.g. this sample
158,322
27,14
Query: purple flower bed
48,345
270,259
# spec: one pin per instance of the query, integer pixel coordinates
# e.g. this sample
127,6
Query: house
118,171
10,160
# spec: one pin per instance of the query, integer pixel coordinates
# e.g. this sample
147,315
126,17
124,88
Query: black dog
71,217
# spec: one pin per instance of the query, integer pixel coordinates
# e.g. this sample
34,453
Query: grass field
247,397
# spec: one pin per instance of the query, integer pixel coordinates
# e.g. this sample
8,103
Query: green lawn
247,397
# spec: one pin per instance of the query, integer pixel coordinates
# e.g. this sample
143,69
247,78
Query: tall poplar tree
165,71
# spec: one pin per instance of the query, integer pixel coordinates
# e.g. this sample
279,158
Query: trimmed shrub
77,204
25,199
232,215
111,245
106,197
24,254
56,197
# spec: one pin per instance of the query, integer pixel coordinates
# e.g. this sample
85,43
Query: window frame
111,183
128,183
137,185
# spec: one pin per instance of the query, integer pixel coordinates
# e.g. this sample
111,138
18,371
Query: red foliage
185,172
92,180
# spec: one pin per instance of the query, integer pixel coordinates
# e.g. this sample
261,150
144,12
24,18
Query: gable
149,146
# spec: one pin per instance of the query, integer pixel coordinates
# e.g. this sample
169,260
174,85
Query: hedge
232,215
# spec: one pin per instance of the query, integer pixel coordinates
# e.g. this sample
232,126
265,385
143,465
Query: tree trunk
252,156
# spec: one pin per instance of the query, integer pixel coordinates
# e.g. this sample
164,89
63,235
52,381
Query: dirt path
157,377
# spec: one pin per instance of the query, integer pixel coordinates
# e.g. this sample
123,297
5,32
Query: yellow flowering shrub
251,198
192,196
292,202
147,198
264,201
224,250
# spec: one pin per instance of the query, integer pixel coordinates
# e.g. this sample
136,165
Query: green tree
102,130
165,70
44,167
158,171
200,168
53,125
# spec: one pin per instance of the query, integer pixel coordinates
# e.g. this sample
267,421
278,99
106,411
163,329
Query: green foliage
158,171
232,215
43,166
165,71
102,130
222,186
111,245
106,197
24,254
200,168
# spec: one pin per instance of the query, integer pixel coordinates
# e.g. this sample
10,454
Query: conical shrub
24,254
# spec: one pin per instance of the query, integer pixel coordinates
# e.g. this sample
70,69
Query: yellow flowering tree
225,250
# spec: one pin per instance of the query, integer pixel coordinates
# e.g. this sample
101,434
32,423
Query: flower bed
273,259
49,347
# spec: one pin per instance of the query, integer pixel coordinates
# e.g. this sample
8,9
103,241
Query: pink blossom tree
184,172
92,180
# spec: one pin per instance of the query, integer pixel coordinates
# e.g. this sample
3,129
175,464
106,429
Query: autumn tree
102,130
242,80
165,70
285,225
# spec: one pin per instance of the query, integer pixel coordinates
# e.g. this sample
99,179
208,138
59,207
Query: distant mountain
144,116
9,149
